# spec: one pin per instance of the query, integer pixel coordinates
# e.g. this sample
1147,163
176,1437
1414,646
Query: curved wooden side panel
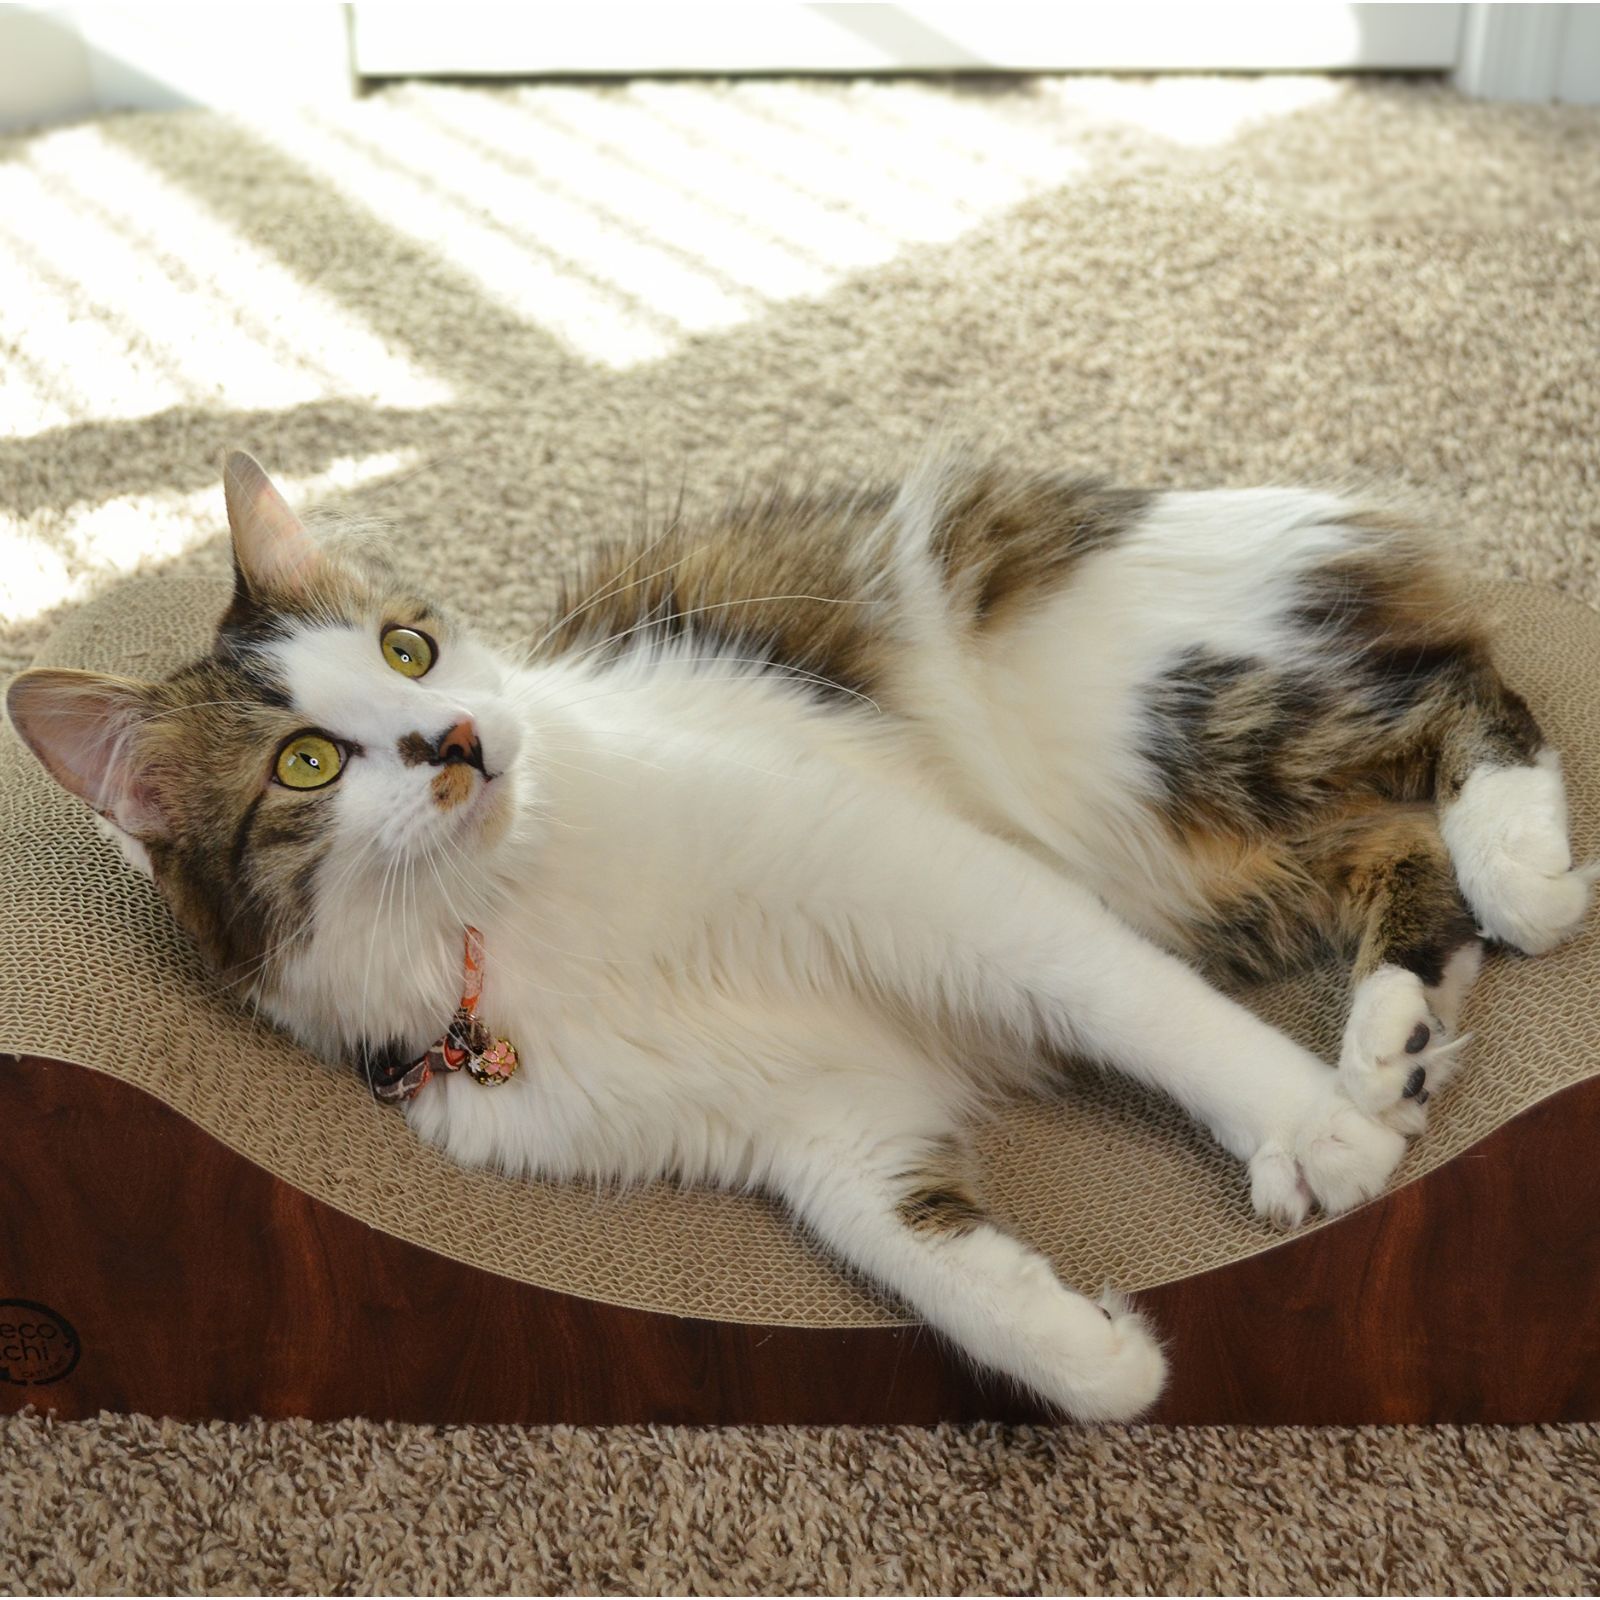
197,1285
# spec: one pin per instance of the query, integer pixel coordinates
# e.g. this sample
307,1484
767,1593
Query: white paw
1094,1360
1344,1155
1122,1372
1396,1051
1507,836
1537,911
1335,1158
1278,1189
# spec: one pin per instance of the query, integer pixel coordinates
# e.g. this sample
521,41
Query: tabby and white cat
797,837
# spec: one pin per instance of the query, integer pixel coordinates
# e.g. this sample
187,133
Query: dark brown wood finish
200,1286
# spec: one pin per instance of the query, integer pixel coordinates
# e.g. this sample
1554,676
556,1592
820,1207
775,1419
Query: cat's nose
459,743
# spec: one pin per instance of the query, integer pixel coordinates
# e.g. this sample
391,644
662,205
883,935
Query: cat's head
345,753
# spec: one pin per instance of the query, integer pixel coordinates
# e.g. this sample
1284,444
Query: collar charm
466,1044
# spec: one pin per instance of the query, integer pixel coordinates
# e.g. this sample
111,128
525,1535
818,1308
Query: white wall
613,36
63,61
1532,53
44,69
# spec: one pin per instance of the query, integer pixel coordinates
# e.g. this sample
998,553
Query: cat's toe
1278,1189
1344,1155
1409,1118
1396,1054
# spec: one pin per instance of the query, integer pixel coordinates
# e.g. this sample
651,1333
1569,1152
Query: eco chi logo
37,1345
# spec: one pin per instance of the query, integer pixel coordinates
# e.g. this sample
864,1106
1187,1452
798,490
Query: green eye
408,651
308,761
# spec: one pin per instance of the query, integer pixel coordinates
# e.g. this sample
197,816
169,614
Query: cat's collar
466,1042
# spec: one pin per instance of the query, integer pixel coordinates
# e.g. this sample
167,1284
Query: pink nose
460,743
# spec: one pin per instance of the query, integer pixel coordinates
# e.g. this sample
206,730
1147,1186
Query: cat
795,839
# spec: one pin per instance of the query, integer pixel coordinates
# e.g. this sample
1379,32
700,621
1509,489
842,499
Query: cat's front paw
1278,1189
1397,1053
1336,1158
1122,1372
1097,1361
1345,1156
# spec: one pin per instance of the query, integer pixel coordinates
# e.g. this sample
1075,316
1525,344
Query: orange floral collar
466,1042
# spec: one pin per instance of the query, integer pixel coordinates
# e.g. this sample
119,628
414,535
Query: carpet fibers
504,320
126,1504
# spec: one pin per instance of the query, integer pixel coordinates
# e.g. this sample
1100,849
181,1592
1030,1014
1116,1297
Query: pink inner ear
270,544
81,725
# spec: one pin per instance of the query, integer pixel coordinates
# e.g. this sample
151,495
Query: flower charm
496,1064
466,1042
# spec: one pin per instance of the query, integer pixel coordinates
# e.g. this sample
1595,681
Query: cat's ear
272,552
83,726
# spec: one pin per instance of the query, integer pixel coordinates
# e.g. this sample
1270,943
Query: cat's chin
488,815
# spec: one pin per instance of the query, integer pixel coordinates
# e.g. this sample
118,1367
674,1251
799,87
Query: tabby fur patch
805,579
1303,797
940,1197
240,866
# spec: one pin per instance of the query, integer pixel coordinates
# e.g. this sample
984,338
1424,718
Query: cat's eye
408,651
308,761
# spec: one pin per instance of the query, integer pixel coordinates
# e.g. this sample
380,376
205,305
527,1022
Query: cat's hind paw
1397,1052
1535,911
1507,835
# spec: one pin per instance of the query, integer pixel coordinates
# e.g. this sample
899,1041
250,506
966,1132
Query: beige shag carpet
129,1505
1182,282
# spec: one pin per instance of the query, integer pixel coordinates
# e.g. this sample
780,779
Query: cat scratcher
211,1223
